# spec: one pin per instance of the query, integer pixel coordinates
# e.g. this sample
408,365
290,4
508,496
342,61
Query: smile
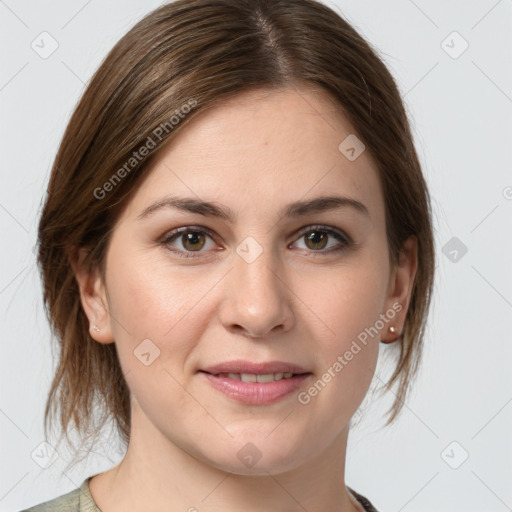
256,389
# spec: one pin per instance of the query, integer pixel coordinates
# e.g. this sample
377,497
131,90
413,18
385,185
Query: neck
156,474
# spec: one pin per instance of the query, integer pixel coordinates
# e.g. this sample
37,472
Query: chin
255,458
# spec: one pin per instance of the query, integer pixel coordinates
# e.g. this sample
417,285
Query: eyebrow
295,209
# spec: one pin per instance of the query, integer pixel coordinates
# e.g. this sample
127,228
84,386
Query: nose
257,298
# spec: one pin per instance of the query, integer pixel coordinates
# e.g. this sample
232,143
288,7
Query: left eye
317,236
193,240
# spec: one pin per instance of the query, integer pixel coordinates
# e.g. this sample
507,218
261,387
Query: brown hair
180,59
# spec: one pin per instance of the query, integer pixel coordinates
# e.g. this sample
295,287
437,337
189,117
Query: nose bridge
255,268
257,298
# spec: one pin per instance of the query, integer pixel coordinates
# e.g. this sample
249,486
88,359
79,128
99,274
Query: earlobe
400,289
92,297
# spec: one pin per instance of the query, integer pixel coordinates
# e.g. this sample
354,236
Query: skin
255,154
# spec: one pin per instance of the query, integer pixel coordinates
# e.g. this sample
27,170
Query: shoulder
365,502
77,500
69,502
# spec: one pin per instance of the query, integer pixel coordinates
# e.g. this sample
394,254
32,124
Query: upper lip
240,366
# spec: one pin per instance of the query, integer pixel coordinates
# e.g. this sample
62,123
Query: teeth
251,377
267,377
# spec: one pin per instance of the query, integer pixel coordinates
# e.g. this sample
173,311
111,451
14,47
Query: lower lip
256,393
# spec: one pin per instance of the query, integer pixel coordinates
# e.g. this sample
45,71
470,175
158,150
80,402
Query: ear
93,298
400,289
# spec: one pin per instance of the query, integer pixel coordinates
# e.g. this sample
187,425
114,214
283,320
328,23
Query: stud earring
392,328
95,327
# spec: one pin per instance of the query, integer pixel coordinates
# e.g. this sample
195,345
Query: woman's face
311,287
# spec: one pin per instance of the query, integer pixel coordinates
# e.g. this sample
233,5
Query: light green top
78,500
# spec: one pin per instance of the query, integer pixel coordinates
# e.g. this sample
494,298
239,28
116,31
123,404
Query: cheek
150,298
154,324
347,355
348,306
171,307
350,354
350,300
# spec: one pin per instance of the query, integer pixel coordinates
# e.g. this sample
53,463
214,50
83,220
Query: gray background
461,110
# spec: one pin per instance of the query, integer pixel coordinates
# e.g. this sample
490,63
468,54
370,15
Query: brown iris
318,239
192,238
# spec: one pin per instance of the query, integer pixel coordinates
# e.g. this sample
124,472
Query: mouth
254,377
247,369
256,383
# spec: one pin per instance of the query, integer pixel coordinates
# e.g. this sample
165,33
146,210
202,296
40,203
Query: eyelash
339,235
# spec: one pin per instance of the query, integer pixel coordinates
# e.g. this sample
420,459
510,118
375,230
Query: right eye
191,240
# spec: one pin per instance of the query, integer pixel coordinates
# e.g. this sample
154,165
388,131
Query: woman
236,218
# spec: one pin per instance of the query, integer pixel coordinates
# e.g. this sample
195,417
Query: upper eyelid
185,229
330,229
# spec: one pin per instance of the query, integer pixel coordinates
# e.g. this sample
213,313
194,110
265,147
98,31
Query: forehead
263,148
